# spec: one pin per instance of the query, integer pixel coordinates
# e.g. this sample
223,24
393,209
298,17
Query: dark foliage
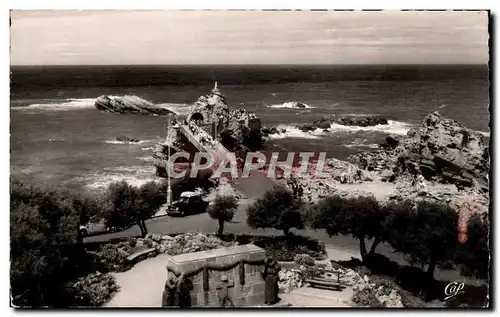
427,235
128,205
286,248
222,210
361,217
277,209
473,256
45,250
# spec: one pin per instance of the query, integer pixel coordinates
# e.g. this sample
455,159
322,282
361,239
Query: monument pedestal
225,277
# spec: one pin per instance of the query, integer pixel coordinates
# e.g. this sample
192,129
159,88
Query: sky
248,37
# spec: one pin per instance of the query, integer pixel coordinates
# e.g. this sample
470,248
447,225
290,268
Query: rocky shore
325,123
129,105
438,159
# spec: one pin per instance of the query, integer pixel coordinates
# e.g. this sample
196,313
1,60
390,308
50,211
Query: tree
129,205
223,209
426,234
277,209
43,245
473,256
361,217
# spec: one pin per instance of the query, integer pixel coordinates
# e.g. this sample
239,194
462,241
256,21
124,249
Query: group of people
296,187
244,114
202,136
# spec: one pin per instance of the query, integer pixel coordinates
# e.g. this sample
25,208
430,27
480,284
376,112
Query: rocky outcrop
237,127
349,120
129,105
325,123
439,149
123,138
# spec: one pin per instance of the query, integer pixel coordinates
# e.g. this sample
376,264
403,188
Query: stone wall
238,268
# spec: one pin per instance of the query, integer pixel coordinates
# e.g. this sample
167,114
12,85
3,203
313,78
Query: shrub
365,297
94,290
286,248
132,242
304,259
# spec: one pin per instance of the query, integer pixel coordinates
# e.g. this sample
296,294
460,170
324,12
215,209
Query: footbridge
193,138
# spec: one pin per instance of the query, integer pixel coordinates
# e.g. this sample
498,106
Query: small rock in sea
127,139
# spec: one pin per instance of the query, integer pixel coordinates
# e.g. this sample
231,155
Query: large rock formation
439,149
236,127
129,105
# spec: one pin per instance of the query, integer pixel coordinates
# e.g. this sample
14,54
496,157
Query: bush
286,248
304,259
94,290
365,297
113,257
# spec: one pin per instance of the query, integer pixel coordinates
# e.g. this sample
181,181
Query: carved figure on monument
271,277
224,299
177,291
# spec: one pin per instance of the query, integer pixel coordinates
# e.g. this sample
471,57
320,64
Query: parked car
91,229
189,203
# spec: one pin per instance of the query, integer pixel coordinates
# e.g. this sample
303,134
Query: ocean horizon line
248,65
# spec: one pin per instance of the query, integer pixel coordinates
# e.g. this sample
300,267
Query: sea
59,138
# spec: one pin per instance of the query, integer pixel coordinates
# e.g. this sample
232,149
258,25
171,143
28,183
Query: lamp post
169,188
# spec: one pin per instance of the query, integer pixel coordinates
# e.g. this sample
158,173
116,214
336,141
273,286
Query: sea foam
294,132
134,175
393,127
69,104
290,105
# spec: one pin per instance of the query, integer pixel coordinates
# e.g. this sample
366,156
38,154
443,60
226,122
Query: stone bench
235,270
325,283
139,256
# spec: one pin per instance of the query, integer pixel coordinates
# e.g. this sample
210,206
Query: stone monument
225,277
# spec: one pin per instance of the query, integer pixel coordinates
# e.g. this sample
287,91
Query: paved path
141,286
313,297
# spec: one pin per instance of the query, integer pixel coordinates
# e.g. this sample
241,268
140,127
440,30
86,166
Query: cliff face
129,105
439,149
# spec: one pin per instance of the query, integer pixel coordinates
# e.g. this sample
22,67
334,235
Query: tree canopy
277,209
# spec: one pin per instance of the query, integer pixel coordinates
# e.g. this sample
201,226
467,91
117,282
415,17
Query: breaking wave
146,158
129,143
362,143
484,133
134,175
294,132
291,105
67,105
181,109
393,127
